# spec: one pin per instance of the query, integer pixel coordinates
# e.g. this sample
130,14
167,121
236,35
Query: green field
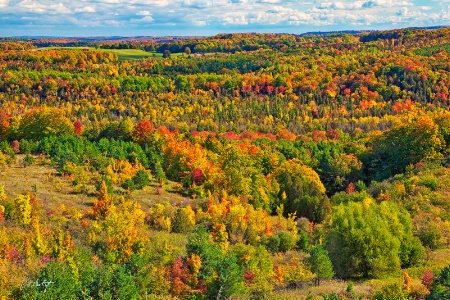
123,54
128,54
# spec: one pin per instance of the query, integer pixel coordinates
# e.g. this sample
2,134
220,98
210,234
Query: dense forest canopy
226,167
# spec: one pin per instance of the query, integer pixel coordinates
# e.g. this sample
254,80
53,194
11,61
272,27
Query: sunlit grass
122,54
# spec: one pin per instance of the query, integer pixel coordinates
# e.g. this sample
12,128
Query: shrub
287,241
141,179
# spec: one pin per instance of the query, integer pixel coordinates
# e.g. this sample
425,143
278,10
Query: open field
123,54
53,190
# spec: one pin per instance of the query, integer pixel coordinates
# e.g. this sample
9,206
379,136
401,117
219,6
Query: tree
114,282
229,282
37,124
78,127
4,125
22,209
142,131
341,170
440,288
104,205
183,84
305,193
365,238
54,281
320,263
403,145
141,179
167,54
184,220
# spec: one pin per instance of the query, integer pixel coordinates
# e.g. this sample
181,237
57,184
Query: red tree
78,127
142,131
15,146
197,176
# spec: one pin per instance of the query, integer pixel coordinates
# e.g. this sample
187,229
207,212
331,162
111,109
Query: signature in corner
43,283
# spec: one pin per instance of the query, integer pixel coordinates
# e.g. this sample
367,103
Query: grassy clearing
327,287
54,190
122,54
51,189
130,54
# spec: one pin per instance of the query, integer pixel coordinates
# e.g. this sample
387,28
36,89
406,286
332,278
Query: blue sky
207,17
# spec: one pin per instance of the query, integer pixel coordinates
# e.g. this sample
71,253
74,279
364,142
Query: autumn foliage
247,165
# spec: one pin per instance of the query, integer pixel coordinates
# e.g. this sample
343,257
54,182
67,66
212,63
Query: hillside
238,166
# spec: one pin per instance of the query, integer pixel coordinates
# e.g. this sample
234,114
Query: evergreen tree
320,263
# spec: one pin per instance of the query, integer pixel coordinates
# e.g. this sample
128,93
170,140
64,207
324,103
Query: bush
141,179
129,184
28,160
303,242
281,242
389,292
287,241
440,289
5,147
429,182
183,221
54,281
273,244
108,182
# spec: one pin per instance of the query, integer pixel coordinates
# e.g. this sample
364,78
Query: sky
207,17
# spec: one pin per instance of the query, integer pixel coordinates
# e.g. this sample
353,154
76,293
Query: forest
237,166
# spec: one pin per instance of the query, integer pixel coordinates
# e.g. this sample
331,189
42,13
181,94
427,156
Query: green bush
141,179
430,182
287,241
391,292
129,184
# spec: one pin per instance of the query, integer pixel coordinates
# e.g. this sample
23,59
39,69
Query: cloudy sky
207,17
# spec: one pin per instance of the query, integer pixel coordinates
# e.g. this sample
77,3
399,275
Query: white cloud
37,7
385,3
32,6
150,2
197,3
59,8
220,15
143,13
88,9
146,19
4,3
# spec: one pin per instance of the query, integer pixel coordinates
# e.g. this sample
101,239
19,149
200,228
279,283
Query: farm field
122,54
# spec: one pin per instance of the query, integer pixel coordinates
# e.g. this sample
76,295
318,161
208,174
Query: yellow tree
303,190
22,209
104,205
37,124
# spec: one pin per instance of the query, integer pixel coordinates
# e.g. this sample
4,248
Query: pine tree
320,263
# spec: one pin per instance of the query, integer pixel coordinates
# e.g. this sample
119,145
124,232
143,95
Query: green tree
440,288
141,179
37,124
114,283
365,238
391,292
401,146
320,263
229,281
54,281
182,83
167,54
220,271
304,192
